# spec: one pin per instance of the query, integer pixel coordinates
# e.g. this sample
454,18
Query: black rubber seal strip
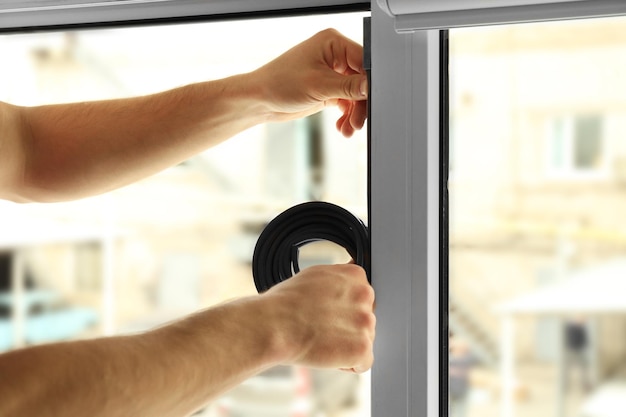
444,221
275,257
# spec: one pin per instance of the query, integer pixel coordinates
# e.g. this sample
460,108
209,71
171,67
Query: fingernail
363,87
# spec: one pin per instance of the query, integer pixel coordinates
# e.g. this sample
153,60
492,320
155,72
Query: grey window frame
407,226
446,14
408,211
41,14
408,159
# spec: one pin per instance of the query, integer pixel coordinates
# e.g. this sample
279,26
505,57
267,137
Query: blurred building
538,178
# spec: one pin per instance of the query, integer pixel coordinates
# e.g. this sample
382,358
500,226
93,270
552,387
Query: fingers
325,70
348,84
350,93
363,354
347,87
331,316
366,361
353,117
342,54
363,320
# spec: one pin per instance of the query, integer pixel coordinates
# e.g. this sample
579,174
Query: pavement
535,397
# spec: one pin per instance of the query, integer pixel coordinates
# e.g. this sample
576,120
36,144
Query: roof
595,290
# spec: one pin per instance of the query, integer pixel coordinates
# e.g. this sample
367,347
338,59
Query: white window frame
407,156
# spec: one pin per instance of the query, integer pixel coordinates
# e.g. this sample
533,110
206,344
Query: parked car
334,391
48,318
281,391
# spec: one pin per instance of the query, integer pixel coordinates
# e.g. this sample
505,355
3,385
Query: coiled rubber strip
276,252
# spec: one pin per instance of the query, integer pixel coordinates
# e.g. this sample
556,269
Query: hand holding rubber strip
276,252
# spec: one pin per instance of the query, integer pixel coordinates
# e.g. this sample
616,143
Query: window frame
408,219
57,14
411,15
412,292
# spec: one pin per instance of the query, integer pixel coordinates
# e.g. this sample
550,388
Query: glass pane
537,266
181,240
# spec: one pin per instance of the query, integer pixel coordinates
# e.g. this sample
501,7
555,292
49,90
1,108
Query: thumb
348,87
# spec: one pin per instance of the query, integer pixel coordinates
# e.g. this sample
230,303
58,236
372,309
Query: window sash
411,15
403,7
17,15
407,228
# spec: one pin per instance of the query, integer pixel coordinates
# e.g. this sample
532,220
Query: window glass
536,230
587,142
181,240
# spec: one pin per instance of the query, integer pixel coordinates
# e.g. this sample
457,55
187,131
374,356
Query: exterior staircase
462,323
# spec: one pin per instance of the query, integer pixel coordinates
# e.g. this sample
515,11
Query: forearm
76,150
68,151
171,371
322,317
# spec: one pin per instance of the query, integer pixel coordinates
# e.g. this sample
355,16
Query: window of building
576,146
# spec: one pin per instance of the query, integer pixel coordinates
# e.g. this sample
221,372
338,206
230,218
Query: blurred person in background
322,317
576,352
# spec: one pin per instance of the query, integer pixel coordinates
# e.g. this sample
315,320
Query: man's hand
325,317
325,70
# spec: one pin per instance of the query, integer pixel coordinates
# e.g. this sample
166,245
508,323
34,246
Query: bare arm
69,151
75,150
322,317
